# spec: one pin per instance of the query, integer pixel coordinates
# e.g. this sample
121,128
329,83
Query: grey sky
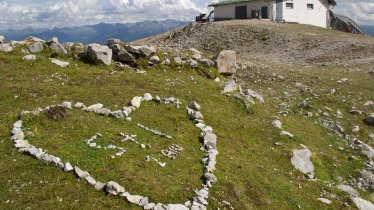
61,13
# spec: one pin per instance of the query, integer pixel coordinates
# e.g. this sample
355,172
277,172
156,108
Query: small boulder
370,119
2,38
226,62
35,47
29,57
324,200
6,48
125,56
301,161
363,204
231,86
194,105
136,101
193,63
154,60
113,188
62,64
277,124
113,41
210,140
99,54
147,97
206,62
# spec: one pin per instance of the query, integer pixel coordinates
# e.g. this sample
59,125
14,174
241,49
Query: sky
18,14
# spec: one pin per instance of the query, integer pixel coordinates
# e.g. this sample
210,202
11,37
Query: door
264,13
241,12
254,14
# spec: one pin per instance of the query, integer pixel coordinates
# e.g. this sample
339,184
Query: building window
310,6
289,5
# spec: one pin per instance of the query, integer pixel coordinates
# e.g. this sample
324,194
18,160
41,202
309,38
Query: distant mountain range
98,33
368,29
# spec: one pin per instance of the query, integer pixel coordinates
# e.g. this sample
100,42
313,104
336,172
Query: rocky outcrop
226,62
99,54
54,45
35,47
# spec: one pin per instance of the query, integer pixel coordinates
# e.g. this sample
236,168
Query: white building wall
228,11
318,16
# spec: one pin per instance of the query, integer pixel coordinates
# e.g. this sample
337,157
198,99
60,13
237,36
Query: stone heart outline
209,139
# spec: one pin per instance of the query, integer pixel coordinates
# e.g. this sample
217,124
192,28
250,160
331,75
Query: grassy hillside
253,166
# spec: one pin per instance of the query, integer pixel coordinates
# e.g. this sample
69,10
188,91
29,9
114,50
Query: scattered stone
134,199
94,108
99,54
136,101
147,97
277,124
6,48
369,104
125,56
210,140
99,186
68,167
114,188
178,61
226,62
29,57
370,119
338,128
324,200
348,189
80,173
90,180
231,86
166,62
366,179
154,60
206,62
176,207
172,151
286,133
141,50
113,41
35,47
344,80
60,63
193,63
301,161
356,129
194,105
250,94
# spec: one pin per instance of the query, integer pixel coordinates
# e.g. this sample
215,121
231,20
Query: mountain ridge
98,33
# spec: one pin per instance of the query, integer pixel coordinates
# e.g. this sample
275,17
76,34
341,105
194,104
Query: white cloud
61,13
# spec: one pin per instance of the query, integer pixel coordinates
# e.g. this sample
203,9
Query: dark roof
225,2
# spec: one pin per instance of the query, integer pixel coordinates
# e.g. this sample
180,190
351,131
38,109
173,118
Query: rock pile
172,151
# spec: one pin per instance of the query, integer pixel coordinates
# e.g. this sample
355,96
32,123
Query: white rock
194,105
114,188
369,104
231,86
324,200
68,167
210,140
6,48
277,124
136,101
35,47
367,151
94,108
348,189
29,57
301,161
363,204
147,97
62,64
79,105
226,62
149,206
177,207
154,60
90,180
134,199
67,105
286,133
80,173
99,54
99,185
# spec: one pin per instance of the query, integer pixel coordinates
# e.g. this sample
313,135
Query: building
313,12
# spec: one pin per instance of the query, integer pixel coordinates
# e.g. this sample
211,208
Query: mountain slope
283,43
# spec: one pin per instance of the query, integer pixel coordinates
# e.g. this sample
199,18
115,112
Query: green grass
253,173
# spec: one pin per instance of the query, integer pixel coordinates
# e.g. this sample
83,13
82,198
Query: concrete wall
228,11
318,16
